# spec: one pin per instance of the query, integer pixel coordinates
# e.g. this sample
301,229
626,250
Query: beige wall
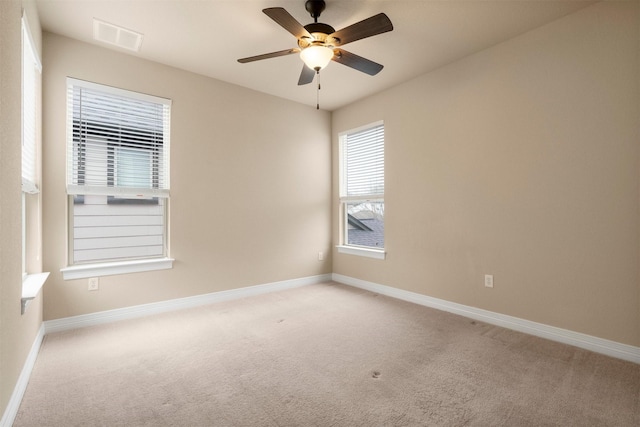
250,183
17,332
520,161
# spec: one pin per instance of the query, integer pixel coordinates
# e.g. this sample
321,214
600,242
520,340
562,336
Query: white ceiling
208,36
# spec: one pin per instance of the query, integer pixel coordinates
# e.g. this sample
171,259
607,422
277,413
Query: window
117,178
31,76
362,191
30,85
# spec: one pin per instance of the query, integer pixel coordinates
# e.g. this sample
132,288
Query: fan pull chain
318,91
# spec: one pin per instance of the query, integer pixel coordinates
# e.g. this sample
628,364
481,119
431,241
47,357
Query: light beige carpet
322,355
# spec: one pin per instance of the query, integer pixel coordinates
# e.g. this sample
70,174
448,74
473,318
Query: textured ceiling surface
208,36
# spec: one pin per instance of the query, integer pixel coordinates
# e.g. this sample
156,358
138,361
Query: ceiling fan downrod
315,8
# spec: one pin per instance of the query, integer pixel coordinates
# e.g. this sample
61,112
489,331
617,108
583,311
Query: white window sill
360,251
112,268
31,286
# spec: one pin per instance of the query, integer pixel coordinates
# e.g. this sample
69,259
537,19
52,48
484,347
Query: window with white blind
32,277
117,174
362,190
31,72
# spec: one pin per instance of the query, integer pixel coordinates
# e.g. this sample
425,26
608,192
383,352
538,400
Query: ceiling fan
319,43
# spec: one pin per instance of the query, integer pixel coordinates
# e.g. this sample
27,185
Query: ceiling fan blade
268,55
286,21
306,76
357,62
372,26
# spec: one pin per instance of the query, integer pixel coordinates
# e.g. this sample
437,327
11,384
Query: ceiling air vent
117,36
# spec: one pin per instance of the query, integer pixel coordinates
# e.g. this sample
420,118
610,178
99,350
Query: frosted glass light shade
316,57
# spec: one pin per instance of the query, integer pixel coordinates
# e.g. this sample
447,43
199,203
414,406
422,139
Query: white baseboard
588,342
109,316
11,410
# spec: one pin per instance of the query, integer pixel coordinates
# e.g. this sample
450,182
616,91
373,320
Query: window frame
159,158
344,200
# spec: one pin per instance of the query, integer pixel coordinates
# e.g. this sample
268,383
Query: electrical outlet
320,256
488,280
94,284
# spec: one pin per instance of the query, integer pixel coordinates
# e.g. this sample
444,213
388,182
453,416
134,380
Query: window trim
120,195
362,251
83,271
31,286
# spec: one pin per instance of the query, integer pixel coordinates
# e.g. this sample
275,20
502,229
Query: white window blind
118,142
364,162
30,80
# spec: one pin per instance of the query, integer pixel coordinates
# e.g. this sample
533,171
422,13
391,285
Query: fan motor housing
319,33
318,27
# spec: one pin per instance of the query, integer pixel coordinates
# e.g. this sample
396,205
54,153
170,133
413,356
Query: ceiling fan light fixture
316,57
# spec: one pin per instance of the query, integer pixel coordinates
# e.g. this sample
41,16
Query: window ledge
31,286
360,251
112,268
